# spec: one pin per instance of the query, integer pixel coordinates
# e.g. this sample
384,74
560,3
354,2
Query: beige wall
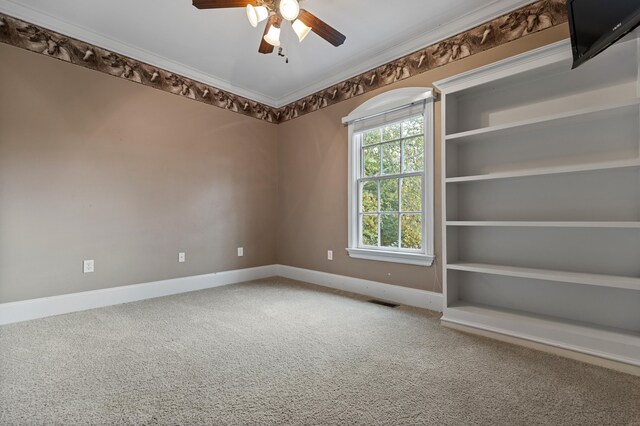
95,167
313,181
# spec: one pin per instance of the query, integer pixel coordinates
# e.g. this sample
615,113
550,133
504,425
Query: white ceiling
219,47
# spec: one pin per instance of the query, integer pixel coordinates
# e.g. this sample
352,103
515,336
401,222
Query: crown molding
28,14
366,61
76,45
532,18
543,56
374,58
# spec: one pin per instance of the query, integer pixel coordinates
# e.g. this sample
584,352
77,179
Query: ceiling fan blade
265,47
219,4
321,28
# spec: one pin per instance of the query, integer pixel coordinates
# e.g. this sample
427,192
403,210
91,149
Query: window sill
392,256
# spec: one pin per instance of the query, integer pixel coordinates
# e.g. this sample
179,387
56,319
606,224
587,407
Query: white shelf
613,344
549,275
546,224
584,113
608,165
531,116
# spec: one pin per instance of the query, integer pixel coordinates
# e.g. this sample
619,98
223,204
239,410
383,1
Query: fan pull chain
286,58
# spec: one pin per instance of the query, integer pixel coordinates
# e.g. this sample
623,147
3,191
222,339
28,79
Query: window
391,178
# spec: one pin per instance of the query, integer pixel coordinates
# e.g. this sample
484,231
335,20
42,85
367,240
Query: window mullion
379,217
401,156
394,176
359,186
380,156
423,213
423,191
399,210
361,150
400,189
380,192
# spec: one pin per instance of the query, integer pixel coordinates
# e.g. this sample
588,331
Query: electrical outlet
88,266
329,254
240,251
182,257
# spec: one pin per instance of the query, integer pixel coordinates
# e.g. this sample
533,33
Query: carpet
279,352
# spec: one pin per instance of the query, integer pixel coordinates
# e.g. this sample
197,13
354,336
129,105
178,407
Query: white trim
367,61
537,58
392,256
352,192
391,293
429,192
558,54
25,310
544,224
613,281
574,336
594,112
546,171
447,296
389,101
90,36
555,350
48,306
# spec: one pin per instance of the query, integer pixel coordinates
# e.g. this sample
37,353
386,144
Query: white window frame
381,105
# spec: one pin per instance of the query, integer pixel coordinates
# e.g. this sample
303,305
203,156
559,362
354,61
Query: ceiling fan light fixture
289,9
273,36
256,14
274,12
300,29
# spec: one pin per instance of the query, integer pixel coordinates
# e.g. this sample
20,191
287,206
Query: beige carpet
277,352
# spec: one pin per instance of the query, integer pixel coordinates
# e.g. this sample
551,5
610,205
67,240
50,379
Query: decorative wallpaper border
527,20
41,40
512,26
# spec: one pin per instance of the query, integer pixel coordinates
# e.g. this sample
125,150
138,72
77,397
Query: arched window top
389,101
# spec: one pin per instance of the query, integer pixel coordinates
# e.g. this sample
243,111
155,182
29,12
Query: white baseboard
392,293
56,305
25,310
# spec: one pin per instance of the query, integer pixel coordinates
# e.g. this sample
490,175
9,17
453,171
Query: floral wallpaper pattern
527,20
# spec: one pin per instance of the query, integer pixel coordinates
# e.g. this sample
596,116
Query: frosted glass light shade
300,29
273,36
289,9
256,14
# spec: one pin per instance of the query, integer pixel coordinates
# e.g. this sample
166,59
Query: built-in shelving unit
549,275
547,224
589,167
548,330
541,212
572,117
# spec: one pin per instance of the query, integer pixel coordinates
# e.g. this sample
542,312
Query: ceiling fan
274,12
